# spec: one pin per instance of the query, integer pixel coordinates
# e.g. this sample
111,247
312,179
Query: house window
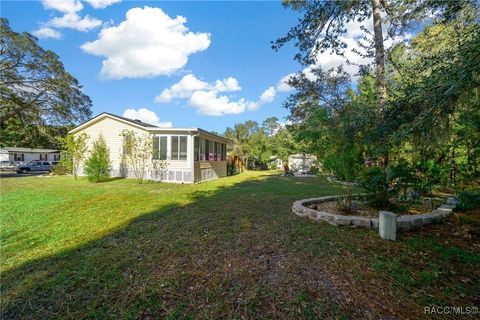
43,157
215,150
174,148
224,152
196,146
163,148
159,148
56,157
183,148
179,148
18,157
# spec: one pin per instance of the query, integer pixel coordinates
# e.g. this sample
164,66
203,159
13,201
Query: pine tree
98,166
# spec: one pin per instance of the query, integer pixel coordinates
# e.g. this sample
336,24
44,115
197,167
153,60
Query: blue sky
230,73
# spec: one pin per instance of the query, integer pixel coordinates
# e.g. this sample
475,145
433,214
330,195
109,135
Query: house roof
147,126
135,121
30,150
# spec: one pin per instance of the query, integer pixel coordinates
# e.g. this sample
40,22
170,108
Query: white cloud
147,116
74,21
208,99
268,95
227,85
282,85
100,4
65,6
189,84
182,89
212,104
70,19
351,38
147,43
46,33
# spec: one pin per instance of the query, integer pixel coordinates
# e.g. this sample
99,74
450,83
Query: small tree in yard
344,166
160,169
97,166
75,151
137,152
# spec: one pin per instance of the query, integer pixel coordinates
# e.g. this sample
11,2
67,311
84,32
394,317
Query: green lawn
230,248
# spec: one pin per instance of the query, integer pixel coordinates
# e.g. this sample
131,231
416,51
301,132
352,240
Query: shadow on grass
239,252
224,255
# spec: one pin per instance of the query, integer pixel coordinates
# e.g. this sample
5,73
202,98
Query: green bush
59,170
402,176
374,181
97,166
468,200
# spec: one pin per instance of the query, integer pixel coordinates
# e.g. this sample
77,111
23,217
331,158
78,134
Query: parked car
7,165
35,166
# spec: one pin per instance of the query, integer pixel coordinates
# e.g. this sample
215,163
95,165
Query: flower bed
404,222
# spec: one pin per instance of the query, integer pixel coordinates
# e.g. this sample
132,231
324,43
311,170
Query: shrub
468,200
231,169
160,169
402,175
97,166
374,181
59,170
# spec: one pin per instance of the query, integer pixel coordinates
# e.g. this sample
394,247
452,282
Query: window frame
19,157
179,138
157,154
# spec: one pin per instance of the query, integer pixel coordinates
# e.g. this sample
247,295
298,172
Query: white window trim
169,146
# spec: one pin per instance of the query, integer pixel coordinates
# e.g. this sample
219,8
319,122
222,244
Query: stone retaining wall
404,222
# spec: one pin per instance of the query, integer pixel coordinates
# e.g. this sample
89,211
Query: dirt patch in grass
335,207
362,209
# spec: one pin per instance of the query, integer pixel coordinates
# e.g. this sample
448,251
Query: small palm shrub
468,200
374,181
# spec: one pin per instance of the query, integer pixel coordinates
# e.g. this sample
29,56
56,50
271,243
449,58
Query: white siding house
301,162
18,154
192,154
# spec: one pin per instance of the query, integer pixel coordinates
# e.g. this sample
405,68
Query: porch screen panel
211,151
202,150
219,151
196,147
207,147
183,148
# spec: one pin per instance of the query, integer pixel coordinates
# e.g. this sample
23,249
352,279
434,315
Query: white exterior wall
4,155
301,162
179,171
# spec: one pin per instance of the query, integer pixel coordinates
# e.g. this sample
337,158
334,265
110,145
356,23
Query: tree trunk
380,70
379,56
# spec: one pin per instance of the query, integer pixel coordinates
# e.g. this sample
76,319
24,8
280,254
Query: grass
230,248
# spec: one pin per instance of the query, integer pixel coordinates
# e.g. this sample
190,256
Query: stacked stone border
404,222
